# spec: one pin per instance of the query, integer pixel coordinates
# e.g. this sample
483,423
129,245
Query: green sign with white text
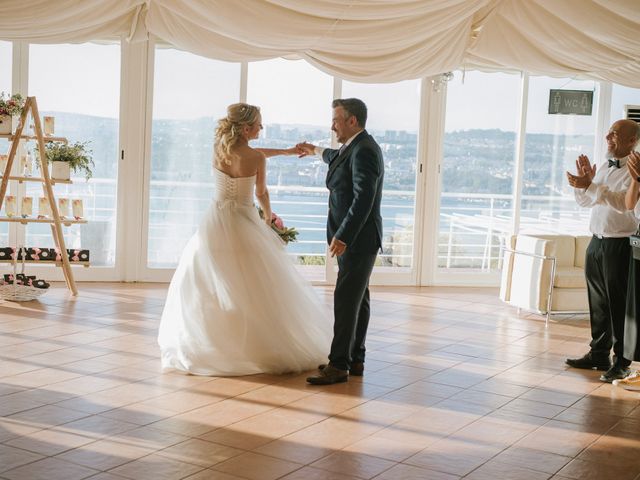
570,102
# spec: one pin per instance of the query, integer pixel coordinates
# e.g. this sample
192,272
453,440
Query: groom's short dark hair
354,107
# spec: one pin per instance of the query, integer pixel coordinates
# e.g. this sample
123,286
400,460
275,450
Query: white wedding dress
236,304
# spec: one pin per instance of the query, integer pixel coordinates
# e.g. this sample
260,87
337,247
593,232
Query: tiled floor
457,385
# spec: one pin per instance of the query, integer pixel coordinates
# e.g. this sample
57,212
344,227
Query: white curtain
364,40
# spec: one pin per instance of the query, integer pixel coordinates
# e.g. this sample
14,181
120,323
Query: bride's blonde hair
229,130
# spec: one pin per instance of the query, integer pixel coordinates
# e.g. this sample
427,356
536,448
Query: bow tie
614,163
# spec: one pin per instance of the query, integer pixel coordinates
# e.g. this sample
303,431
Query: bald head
622,138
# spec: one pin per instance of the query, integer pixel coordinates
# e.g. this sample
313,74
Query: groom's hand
305,149
337,247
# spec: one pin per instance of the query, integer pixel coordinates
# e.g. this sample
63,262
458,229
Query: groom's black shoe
355,370
328,376
589,362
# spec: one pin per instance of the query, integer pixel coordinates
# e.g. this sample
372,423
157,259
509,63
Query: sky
85,78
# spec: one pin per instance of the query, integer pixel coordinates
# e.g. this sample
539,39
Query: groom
354,234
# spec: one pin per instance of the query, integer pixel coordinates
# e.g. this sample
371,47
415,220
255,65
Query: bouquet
286,234
11,104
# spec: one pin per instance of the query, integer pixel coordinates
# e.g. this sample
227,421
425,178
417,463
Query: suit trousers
632,318
606,270
351,309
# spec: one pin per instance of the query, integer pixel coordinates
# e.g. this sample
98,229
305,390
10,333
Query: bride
236,304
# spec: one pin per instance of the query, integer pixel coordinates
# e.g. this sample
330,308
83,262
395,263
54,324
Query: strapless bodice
233,191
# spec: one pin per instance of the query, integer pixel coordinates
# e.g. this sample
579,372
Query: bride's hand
304,149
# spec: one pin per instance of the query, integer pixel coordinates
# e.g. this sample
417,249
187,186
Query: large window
477,169
553,142
394,124
5,86
79,85
190,94
295,101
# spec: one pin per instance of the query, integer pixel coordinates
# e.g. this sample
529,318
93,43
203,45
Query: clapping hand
305,149
633,164
585,173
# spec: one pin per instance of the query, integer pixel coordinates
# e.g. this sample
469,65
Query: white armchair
545,273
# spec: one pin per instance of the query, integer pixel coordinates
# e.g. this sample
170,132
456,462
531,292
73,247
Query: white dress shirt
605,196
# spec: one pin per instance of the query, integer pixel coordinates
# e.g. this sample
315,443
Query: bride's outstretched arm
262,193
272,152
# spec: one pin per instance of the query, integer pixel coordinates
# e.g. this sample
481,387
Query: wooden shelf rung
37,179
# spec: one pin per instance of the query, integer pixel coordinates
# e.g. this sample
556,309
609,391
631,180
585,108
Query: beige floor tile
106,454
156,467
536,409
533,459
97,426
409,472
213,475
355,464
49,442
10,429
504,471
581,470
48,469
310,473
11,457
377,446
562,438
256,467
616,448
200,452
48,416
453,456
138,413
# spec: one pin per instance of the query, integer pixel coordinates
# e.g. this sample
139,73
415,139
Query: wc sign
570,102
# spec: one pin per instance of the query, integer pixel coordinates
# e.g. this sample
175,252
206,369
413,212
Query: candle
10,205
26,208
49,125
44,210
3,163
78,209
63,207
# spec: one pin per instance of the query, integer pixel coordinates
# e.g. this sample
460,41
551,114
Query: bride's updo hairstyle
229,130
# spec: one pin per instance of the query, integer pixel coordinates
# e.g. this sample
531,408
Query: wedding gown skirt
236,304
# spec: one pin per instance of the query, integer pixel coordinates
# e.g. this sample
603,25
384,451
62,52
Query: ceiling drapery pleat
366,40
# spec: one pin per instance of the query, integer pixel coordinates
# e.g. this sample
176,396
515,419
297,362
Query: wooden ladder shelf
31,106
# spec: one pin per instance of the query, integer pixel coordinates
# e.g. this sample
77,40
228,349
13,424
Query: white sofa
545,273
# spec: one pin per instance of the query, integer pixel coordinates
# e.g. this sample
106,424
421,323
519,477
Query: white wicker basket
15,292
20,293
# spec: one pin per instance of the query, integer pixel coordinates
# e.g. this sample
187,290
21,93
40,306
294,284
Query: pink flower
278,222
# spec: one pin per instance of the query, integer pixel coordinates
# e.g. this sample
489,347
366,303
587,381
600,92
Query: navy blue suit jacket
355,181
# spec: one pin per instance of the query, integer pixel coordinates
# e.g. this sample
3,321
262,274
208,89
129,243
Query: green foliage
76,154
311,260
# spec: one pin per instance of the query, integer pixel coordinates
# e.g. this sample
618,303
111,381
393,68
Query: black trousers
351,309
632,318
606,271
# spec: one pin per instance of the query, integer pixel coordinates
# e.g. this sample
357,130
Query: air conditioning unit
632,112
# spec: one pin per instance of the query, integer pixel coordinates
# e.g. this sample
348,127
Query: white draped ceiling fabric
365,40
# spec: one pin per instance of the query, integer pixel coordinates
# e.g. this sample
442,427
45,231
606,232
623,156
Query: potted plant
10,106
65,158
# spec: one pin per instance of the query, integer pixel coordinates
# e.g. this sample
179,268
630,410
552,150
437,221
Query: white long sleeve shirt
605,196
